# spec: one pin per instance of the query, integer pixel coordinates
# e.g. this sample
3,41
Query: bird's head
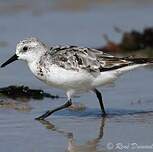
29,50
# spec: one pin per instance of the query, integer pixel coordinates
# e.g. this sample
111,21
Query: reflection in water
19,104
89,146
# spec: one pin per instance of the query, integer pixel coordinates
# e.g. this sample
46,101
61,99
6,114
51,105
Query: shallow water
128,102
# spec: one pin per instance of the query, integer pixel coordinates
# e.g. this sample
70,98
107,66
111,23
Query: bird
73,69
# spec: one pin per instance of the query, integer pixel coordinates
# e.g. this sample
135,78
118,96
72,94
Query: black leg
49,112
99,96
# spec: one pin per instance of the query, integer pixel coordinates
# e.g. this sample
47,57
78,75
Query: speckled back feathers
80,58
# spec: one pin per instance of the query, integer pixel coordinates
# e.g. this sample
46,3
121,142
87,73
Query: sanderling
73,69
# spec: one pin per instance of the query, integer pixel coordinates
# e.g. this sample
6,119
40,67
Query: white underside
79,81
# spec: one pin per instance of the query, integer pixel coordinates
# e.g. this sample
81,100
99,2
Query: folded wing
91,60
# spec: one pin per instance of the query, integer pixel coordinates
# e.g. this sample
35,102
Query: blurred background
81,22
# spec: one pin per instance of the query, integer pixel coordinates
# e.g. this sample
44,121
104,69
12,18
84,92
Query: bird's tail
134,63
140,60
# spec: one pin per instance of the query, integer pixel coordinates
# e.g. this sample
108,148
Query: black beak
12,59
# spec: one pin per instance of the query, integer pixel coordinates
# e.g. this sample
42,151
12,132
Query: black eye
25,48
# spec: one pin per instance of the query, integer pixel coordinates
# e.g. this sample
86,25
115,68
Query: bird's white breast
65,79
